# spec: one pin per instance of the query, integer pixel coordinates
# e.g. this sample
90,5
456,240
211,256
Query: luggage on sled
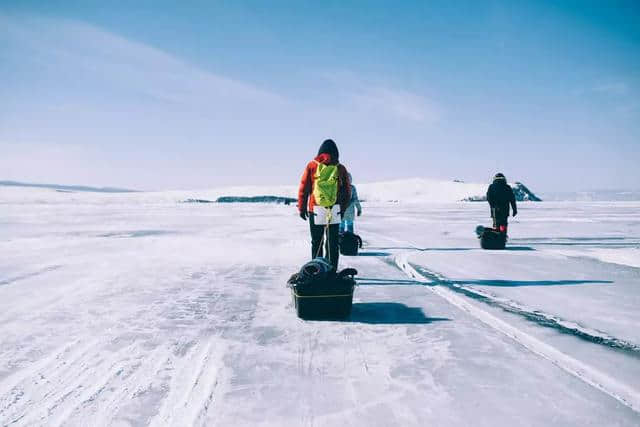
320,293
491,238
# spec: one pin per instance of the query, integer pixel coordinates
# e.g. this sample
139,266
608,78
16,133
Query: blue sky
166,95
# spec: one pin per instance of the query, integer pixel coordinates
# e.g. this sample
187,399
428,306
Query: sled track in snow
539,317
547,320
84,384
193,385
621,392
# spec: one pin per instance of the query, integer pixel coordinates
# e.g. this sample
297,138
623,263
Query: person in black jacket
500,196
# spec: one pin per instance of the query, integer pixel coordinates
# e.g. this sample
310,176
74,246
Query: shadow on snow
390,313
516,283
411,248
366,281
374,254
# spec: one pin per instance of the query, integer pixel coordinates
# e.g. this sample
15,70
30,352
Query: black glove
303,214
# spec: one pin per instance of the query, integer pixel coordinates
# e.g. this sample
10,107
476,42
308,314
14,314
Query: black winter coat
500,196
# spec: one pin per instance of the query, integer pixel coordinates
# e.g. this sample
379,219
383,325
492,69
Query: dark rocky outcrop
257,199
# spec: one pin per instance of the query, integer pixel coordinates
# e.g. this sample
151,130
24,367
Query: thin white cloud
398,103
381,100
105,62
611,88
92,107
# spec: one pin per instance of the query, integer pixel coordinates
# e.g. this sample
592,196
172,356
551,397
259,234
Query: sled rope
325,236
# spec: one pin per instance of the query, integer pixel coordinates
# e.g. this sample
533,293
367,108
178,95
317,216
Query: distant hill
429,190
415,190
67,188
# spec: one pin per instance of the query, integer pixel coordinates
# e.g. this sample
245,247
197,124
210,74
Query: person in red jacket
319,216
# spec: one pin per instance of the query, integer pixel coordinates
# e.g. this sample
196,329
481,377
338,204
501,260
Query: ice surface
133,309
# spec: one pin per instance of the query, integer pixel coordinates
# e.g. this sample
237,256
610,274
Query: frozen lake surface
137,310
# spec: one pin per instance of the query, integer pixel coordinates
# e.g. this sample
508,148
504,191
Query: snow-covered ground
133,309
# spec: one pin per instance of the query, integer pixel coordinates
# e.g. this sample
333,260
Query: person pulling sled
500,196
323,197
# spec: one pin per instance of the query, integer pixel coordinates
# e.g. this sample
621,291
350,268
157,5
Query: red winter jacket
305,192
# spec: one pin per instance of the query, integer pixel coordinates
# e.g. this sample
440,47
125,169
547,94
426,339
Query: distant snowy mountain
419,190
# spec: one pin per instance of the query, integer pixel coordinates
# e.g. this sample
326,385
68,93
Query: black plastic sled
322,295
349,243
490,238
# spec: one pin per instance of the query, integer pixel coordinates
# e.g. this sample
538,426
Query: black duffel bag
491,239
349,243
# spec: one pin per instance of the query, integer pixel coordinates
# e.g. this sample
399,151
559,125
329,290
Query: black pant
330,244
500,216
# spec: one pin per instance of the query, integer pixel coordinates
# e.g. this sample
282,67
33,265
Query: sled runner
490,238
350,243
318,292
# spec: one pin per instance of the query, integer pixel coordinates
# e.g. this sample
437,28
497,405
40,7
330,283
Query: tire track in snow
137,377
92,392
29,275
14,387
76,376
193,385
621,392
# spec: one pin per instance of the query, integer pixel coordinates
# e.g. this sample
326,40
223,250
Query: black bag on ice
491,239
349,243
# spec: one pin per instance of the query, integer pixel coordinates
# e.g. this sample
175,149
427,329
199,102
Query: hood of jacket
499,178
329,147
326,159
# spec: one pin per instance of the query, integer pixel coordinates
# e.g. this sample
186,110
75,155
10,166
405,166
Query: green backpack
325,189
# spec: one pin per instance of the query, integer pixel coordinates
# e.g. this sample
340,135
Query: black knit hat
329,147
499,176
